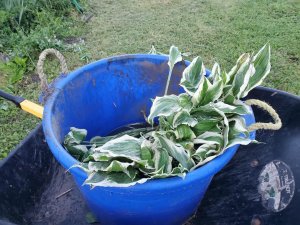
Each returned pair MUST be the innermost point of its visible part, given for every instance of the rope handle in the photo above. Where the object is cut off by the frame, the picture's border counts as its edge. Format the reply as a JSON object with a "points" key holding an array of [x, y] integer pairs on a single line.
{"points": [[40, 66], [264, 126]]}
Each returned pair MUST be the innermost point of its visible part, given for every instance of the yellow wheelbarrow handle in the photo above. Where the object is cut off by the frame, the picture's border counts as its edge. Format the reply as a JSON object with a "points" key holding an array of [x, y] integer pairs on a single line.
{"points": [[28, 106]]}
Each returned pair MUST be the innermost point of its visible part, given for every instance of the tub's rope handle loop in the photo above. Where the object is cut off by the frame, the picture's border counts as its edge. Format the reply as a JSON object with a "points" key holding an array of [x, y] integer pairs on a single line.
{"points": [[264, 126], [40, 66]]}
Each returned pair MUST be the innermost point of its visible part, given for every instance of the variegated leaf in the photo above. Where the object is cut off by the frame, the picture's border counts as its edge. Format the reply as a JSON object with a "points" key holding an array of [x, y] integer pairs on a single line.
{"points": [[184, 132], [240, 109], [185, 101], [164, 106], [201, 151], [162, 161], [200, 93], [215, 74], [174, 56], [113, 166], [75, 136], [241, 60], [206, 125], [238, 140], [212, 138], [213, 92], [192, 75], [183, 117], [242, 76], [262, 67], [113, 179], [176, 151], [177, 171], [125, 146]]}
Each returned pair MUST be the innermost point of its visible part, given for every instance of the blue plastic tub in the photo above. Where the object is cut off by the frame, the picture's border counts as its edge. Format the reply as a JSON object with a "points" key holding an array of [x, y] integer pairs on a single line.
{"points": [[111, 93]]}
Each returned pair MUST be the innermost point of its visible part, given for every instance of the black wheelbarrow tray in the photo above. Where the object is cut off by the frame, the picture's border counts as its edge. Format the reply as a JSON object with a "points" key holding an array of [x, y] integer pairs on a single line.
{"points": [[259, 186]]}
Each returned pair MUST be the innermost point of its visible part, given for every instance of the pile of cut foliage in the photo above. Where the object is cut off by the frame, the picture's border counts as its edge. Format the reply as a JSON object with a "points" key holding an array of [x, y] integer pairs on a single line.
{"points": [[193, 127]]}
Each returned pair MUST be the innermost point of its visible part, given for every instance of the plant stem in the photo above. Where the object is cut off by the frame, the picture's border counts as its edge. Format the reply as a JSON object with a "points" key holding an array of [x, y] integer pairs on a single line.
{"points": [[168, 81]]}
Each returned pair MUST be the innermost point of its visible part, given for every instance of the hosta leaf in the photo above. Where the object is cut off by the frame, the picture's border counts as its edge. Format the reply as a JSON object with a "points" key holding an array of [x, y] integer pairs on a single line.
{"points": [[113, 166], [215, 74], [225, 125], [78, 150], [177, 171], [206, 125], [206, 160], [240, 108], [183, 117], [98, 166], [239, 124], [209, 137], [262, 66], [164, 106], [146, 152], [238, 140], [205, 151], [241, 61], [99, 141], [113, 179], [162, 161], [83, 166], [225, 78], [213, 92], [200, 93], [99, 157], [125, 146], [241, 78], [185, 101], [184, 132], [174, 56], [176, 151], [188, 145], [75, 136], [192, 76]]}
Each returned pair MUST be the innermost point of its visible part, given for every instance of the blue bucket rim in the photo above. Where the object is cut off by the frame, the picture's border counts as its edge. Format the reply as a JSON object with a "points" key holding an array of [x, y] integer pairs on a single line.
{"points": [[205, 171]]}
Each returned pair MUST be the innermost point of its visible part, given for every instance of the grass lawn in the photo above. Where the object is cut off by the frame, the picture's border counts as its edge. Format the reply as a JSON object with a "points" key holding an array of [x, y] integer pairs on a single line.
{"points": [[214, 29]]}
